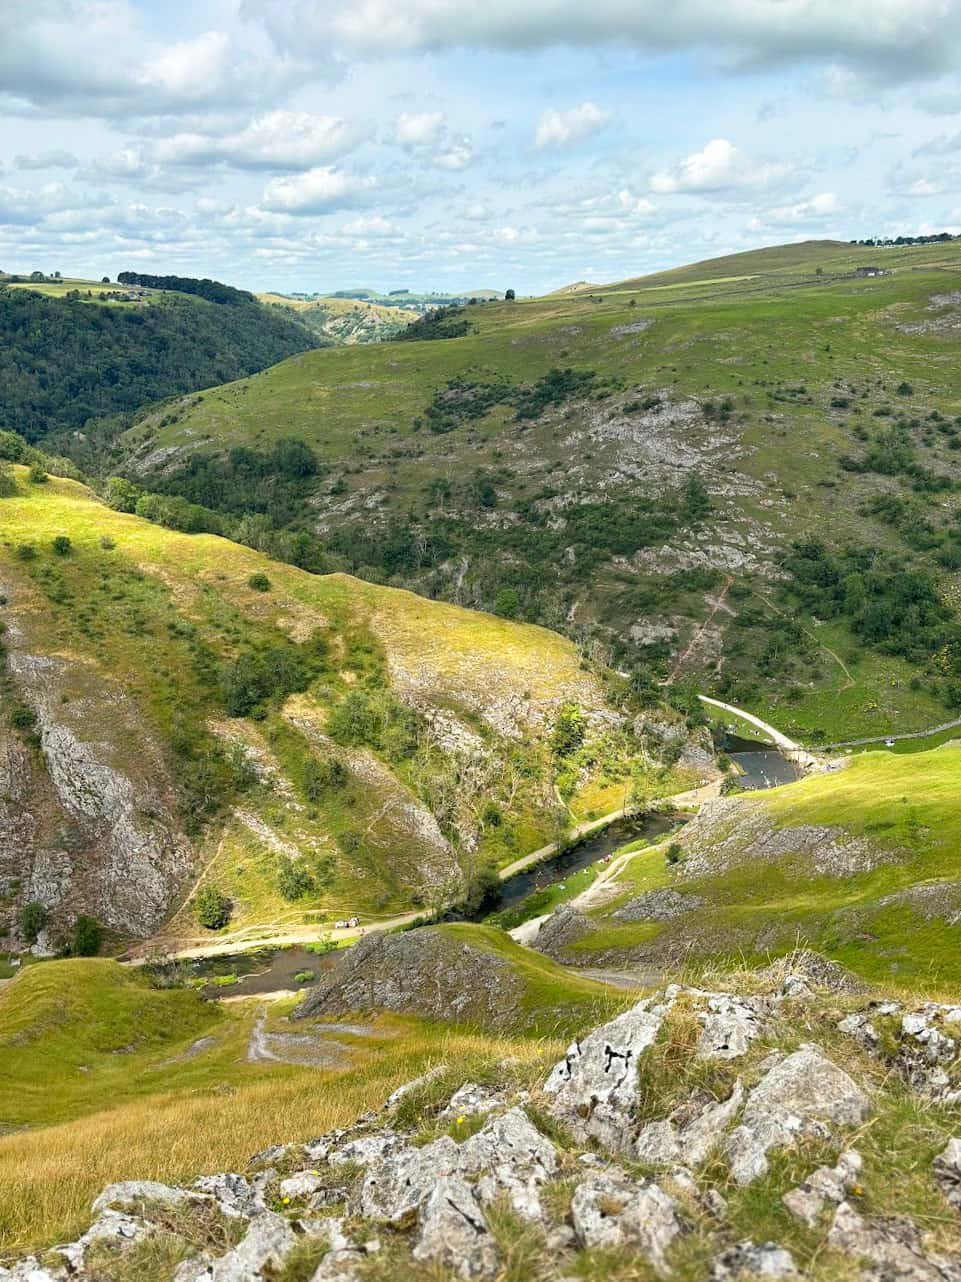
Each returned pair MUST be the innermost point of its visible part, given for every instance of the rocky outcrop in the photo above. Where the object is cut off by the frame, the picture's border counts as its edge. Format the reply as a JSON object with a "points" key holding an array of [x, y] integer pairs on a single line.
{"points": [[559, 1159], [88, 820], [424, 972]]}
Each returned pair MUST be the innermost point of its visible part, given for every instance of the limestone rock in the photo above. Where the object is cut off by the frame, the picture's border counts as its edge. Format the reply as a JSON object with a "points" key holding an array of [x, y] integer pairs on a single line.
{"points": [[827, 1184], [595, 1085], [262, 1251], [746, 1260], [691, 1131], [454, 1232], [136, 1192], [395, 1186], [471, 1099], [511, 1156], [234, 1195], [893, 1247], [730, 1024], [947, 1172], [802, 1095], [608, 1210]]}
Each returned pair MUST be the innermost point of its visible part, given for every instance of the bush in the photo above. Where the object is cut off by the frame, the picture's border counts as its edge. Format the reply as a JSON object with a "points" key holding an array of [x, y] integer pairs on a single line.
{"points": [[569, 731], [26, 552], [293, 880], [8, 485], [319, 776], [33, 918], [212, 908], [37, 475], [22, 717], [87, 936], [259, 583], [61, 545], [674, 852]]}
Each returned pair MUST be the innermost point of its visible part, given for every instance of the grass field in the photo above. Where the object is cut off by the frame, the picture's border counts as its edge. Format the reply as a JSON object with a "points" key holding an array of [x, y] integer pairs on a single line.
{"points": [[887, 908], [807, 357]]}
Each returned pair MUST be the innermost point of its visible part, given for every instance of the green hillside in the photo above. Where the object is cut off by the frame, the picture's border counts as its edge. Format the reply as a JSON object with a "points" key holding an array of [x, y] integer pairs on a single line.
{"points": [[743, 473], [863, 864], [72, 351], [307, 747]]}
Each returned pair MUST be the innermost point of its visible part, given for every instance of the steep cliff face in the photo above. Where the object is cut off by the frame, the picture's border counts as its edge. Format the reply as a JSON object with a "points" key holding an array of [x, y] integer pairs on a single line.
{"points": [[87, 811]]}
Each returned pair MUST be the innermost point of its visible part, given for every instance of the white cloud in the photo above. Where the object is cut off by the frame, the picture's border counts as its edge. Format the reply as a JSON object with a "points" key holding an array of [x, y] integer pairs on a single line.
{"points": [[563, 128], [374, 226], [456, 154], [318, 191], [888, 38], [719, 166], [277, 140], [55, 159], [822, 208], [418, 129]]}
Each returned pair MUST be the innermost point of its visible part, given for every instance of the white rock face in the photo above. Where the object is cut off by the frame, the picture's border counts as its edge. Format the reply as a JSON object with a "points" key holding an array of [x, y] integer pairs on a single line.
{"points": [[510, 1156], [748, 1260], [595, 1085], [609, 1210], [267, 1243], [805, 1094], [669, 1141], [132, 1192], [396, 1186], [454, 1232], [947, 1172], [828, 1184]]}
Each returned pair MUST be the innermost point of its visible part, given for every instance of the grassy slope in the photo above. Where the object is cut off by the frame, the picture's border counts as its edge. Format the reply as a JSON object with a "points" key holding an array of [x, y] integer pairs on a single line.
{"points": [[757, 325], [344, 320], [876, 922], [92, 1068], [155, 605]]}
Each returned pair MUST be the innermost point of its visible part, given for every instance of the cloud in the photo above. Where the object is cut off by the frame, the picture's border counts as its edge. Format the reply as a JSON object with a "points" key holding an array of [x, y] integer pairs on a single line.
{"points": [[822, 208], [564, 128], [279, 140], [719, 166], [418, 129], [318, 191], [886, 38], [373, 226], [46, 160]]}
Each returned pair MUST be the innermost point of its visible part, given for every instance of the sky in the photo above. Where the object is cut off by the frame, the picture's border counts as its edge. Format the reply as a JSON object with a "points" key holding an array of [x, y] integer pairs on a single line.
{"points": [[310, 145]]}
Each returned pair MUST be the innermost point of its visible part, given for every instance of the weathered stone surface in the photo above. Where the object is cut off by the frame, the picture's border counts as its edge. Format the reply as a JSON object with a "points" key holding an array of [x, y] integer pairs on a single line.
{"points": [[300, 1185], [235, 1196], [730, 1024], [657, 905], [510, 1156], [892, 1247], [608, 1210], [112, 1226], [947, 1172], [134, 1192], [748, 1260], [828, 1184], [471, 1099], [267, 1243], [595, 1085], [425, 1079], [395, 1186], [454, 1232], [423, 972], [802, 1095], [691, 1131]]}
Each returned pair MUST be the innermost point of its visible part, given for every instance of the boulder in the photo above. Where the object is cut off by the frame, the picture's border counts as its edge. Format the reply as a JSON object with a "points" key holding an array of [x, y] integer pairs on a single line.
{"points": [[828, 1184], [510, 1156], [947, 1172], [397, 1184], [471, 1099], [805, 1094], [595, 1086], [235, 1196], [136, 1193], [453, 1230], [608, 1210], [730, 1025], [691, 1131], [892, 1247], [260, 1254], [748, 1260]]}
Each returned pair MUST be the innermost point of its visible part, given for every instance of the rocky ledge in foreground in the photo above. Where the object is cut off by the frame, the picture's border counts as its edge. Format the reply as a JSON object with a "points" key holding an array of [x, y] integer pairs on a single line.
{"points": [[779, 1131]]}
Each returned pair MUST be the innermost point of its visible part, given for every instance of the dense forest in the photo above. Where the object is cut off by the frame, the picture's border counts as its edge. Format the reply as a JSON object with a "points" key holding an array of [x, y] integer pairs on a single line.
{"points": [[214, 291], [64, 361]]}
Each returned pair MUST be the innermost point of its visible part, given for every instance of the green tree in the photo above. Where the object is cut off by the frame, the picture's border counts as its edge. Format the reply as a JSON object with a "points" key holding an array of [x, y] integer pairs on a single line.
{"points": [[122, 495], [293, 879], [61, 545], [212, 908], [507, 603], [259, 583], [33, 918], [569, 731], [87, 936]]}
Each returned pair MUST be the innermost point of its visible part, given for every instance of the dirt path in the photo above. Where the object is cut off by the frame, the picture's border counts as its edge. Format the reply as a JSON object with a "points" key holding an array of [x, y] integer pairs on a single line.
{"points": [[699, 634]]}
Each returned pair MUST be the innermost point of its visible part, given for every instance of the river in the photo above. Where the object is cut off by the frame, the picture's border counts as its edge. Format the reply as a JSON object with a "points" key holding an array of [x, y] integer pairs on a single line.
{"points": [[761, 765]]}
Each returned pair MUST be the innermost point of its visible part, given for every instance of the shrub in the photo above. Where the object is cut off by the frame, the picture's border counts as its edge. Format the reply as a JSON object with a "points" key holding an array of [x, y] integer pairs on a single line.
{"points": [[319, 776], [259, 583], [26, 552], [293, 880], [87, 936], [37, 475], [61, 545], [674, 852], [212, 907], [305, 977], [569, 730], [22, 717], [8, 486], [33, 918]]}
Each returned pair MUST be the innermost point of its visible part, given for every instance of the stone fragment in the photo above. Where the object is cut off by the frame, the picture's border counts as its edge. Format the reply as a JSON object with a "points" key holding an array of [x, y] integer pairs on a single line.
{"points": [[260, 1254], [747, 1260], [137, 1192], [425, 1079], [595, 1085], [806, 1094], [609, 1210], [730, 1024], [947, 1172], [511, 1156], [395, 1186], [235, 1196], [688, 1138], [454, 1232], [471, 1099], [892, 1246], [826, 1184], [302, 1184]]}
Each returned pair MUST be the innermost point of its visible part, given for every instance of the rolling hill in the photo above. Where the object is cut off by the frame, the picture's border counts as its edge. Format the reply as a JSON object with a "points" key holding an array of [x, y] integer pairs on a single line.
{"points": [[72, 350], [185, 718], [743, 473]]}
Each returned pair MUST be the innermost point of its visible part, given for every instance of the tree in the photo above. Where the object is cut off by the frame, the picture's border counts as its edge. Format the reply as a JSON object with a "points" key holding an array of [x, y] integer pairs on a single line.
{"points": [[293, 880], [509, 296], [33, 918], [569, 730], [212, 907], [87, 935], [61, 545], [104, 280], [507, 603], [259, 583], [122, 495]]}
